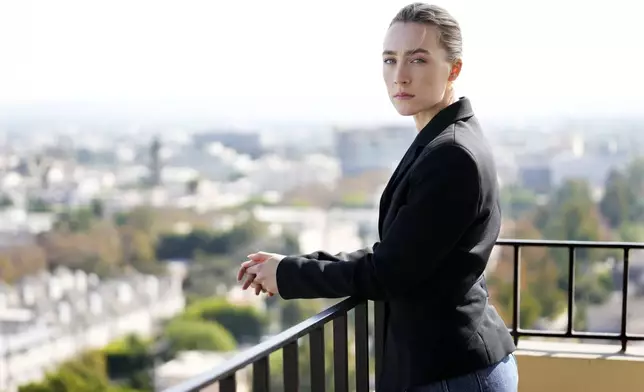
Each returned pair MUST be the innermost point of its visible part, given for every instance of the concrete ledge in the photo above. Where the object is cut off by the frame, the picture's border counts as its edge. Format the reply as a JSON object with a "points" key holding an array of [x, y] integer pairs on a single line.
{"points": [[547, 366]]}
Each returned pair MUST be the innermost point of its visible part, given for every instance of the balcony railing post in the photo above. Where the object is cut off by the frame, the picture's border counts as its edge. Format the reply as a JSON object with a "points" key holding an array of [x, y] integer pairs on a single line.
{"points": [[361, 331], [291, 367], [318, 376], [340, 354], [571, 290], [623, 330], [228, 384], [261, 375], [379, 335], [516, 293]]}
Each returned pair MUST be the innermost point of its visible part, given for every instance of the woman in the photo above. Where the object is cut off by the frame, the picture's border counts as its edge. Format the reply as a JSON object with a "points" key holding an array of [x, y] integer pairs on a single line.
{"points": [[439, 220]]}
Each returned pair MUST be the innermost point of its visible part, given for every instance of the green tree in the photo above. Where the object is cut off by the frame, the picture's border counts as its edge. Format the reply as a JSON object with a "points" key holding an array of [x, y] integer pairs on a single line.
{"points": [[631, 232], [5, 201], [75, 221], [245, 322], [541, 297], [572, 215], [296, 311], [184, 335], [38, 205], [517, 201], [635, 174], [619, 200], [130, 361], [85, 373], [97, 208]]}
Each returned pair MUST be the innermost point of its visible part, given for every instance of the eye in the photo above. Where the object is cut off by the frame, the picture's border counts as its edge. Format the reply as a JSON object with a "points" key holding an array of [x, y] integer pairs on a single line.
{"points": [[418, 61], [389, 61]]}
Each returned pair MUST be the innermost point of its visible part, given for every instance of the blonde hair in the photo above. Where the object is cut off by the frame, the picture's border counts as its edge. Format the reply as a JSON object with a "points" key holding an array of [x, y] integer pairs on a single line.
{"points": [[449, 30]]}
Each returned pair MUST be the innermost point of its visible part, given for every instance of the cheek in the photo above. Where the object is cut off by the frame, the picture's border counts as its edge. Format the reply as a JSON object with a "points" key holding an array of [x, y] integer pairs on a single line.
{"points": [[387, 77]]}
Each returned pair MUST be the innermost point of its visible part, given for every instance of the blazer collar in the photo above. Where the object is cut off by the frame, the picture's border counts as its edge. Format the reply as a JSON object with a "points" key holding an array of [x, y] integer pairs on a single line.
{"points": [[458, 111]]}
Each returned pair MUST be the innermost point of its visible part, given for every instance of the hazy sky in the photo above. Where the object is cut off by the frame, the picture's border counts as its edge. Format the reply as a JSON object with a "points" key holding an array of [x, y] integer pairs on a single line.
{"points": [[301, 59]]}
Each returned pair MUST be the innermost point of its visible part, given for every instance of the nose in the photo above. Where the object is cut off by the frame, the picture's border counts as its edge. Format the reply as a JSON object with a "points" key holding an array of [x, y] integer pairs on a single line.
{"points": [[402, 78]]}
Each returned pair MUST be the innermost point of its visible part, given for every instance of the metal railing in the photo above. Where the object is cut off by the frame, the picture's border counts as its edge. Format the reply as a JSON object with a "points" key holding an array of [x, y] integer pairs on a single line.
{"points": [[623, 336], [287, 341]]}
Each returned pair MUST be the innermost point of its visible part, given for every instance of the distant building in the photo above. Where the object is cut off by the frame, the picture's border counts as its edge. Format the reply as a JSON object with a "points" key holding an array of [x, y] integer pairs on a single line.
{"points": [[363, 150], [537, 178], [47, 319], [155, 162], [248, 143]]}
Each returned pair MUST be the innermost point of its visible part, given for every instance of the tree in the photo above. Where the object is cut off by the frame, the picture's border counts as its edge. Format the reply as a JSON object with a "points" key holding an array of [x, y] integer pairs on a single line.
{"points": [[75, 221], [21, 261], [86, 373], [38, 205], [296, 311], [517, 201], [619, 200], [245, 322], [540, 295], [184, 335], [192, 186], [97, 208], [631, 232], [572, 215], [8, 273], [635, 174], [138, 249], [129, 362], [141, 218], [5, 201]]}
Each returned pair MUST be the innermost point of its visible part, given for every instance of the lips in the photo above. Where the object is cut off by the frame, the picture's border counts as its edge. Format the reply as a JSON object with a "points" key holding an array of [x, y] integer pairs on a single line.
{"points": [[403, 96]]}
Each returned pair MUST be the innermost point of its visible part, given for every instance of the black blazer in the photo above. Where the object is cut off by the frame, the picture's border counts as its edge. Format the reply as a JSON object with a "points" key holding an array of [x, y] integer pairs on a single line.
{"points": [[439, 220]]}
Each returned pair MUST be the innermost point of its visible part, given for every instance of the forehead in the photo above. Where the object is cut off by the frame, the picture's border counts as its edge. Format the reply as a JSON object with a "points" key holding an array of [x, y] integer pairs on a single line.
{"points": [[409, 36]]}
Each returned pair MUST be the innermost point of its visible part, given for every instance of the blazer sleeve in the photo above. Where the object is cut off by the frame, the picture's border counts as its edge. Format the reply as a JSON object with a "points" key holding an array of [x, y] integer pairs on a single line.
{"points": [[442, 202]]}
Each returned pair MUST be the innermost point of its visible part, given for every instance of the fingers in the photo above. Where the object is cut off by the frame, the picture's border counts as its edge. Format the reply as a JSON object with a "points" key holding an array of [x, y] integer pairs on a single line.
{"points": [[255, 269], [249, 281], [259, 257], [252, 269], [244, 269]]}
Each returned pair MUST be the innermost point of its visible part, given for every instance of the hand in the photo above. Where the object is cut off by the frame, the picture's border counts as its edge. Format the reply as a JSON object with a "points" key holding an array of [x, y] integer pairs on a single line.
{"points": [[261, 269]]}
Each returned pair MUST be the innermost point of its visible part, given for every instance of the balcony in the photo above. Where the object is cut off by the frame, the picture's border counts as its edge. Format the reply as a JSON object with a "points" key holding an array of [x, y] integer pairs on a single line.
{"points": [[552, 361]]}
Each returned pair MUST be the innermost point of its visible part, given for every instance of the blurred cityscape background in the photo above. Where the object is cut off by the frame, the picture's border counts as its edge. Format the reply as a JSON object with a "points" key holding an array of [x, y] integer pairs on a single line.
{"points": [[147, 148]]}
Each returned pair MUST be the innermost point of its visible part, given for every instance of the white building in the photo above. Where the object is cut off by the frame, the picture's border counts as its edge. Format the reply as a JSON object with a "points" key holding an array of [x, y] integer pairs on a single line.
{"points": [[49, 318]]}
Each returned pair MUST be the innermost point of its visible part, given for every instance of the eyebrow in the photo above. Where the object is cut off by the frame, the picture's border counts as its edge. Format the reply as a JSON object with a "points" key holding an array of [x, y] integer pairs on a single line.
{"points": [[407, 53]]}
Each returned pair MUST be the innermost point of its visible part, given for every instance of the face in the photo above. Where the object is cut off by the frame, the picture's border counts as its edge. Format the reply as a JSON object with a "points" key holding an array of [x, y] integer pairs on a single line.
{"points": [[415, 68]]}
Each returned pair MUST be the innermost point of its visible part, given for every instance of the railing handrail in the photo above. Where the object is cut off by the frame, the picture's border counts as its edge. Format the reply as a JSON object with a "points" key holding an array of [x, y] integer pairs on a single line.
{"points": [[265, 348], [568, 244]]}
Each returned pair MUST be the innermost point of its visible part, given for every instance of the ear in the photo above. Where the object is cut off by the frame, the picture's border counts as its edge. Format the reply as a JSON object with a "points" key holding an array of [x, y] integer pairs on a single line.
{"points": [[456, 70]]}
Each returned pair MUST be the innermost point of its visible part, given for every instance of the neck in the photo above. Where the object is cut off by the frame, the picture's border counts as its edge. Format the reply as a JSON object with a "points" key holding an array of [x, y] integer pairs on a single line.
{"points": [[423, 118]]}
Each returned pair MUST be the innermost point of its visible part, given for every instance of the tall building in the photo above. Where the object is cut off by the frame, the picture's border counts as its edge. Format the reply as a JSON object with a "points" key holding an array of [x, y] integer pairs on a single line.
{"points": [[363, 150], [155, 162]]}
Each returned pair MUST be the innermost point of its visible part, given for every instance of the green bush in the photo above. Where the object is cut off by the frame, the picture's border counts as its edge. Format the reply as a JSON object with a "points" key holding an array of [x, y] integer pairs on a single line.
{"points": [[183, 335], [246, 323]]}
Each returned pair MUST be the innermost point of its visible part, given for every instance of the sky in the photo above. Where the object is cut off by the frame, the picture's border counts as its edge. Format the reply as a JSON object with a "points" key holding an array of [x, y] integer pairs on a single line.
{"points": [[299, 59]]}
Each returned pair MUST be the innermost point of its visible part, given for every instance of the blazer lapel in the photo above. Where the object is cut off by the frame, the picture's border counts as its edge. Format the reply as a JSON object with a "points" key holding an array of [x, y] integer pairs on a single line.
{"points": [[459, 110], [408, 159]]}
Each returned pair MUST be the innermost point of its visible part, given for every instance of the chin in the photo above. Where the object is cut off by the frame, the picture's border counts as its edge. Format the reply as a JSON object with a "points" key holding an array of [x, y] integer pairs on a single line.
{"points": [[406, 110]]}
